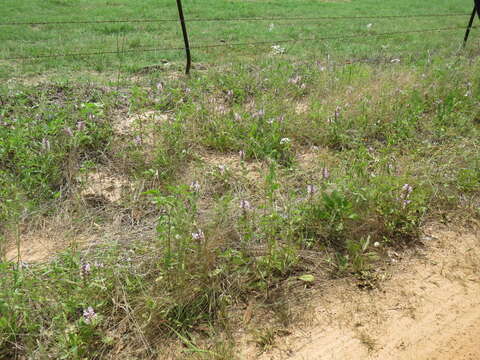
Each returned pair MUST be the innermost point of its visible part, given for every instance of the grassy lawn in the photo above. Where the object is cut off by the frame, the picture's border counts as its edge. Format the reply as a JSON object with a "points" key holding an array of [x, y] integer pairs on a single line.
{"points": [[34, 40], [163, 206]]}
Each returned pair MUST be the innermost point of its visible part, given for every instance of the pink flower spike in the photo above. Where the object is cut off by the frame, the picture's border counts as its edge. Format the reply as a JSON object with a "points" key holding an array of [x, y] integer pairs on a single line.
{"points": [[325, 173], [68, 131], [311, 190], [89, 315], [198, 236], [195, 186]]}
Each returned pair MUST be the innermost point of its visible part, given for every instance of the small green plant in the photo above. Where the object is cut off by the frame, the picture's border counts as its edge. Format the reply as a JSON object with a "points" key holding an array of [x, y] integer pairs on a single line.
{"points": [[177, 227], [327, 217], [359, 254]]}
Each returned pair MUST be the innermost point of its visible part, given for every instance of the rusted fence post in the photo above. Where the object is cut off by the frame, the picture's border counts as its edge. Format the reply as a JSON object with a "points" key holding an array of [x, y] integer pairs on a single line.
{"points": [[185, 37]]}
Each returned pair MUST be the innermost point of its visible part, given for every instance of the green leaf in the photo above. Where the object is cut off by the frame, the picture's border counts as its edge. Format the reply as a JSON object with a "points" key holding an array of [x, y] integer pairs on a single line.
{"points": [[307, 278]]}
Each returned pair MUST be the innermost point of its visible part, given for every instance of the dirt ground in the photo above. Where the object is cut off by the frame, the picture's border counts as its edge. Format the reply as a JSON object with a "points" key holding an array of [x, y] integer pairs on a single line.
{"points": [[428, 308]]}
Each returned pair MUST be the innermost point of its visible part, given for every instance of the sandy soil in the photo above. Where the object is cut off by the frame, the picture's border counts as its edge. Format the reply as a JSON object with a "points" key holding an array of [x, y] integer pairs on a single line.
{"points": [[429, 308]]}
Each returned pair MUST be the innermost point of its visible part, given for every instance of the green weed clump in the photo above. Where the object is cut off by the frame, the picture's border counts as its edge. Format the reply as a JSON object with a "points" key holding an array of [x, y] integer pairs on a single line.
{"points": [[45, 135], [254, 181]]}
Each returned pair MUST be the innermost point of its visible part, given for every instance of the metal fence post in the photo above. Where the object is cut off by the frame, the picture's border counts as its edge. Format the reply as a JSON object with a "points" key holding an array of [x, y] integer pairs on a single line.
{"points": [[476, 11], [185, 37]]}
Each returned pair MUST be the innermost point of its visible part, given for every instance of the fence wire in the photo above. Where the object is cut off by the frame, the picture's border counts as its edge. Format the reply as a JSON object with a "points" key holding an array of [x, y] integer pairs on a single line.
{"points": [[240, 44], [232, 19]]}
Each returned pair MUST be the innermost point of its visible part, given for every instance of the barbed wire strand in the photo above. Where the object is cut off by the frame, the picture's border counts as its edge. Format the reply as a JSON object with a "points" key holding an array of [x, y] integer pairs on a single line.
{"points": [[231, 19], [384, 59], [254, 43]]}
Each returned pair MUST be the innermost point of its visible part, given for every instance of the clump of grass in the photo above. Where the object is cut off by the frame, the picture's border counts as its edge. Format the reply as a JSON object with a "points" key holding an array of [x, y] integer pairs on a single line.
{"points": [[46, 135]]}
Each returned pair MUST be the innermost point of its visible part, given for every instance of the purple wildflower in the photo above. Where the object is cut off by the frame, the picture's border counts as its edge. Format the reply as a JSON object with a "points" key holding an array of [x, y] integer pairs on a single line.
{"points": [[325, 173], [85, 270], [245, 206], [89, 315], [68, 131], [337, 113], [195, 186], [311, 190], [45, 144], [81, 126], [407, 189], [405, 194], [260, 113], [295, 80], [198, 236], [241, 155]]}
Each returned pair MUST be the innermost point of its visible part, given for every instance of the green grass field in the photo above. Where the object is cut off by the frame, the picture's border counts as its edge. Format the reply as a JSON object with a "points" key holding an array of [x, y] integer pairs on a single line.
{"points": [[35, 40], [144, 213]]}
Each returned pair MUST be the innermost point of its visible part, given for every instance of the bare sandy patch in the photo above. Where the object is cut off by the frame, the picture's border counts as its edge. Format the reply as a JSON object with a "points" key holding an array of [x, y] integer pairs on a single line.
{"points": [[429, 308], [252, 170], [126, 125], [100, 184]]}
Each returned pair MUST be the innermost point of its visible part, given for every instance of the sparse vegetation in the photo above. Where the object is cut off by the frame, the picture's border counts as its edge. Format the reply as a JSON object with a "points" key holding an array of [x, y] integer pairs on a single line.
{"points": [[245, 182]]}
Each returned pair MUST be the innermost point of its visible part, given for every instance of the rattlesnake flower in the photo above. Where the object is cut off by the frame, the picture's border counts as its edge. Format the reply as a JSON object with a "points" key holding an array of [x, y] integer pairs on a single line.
{"points": [[245, 205], [325, 173], [407, 189], [68, 131], [89, 315], [198, 236], [45, 145], [85, 270], [311, 190], [81, 126], [195, 186], [241, 155]]}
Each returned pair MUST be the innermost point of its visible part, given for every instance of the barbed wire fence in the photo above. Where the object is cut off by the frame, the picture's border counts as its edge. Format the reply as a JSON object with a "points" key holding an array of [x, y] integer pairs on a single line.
{"points": [[215, 19], [188, 48]]}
